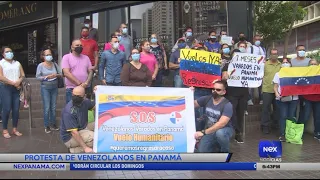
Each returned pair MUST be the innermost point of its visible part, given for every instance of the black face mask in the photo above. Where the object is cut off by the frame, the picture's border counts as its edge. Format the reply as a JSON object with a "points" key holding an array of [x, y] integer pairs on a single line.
{"points": [[77, 100], [78, 49], [216, 95], [242, 38]]}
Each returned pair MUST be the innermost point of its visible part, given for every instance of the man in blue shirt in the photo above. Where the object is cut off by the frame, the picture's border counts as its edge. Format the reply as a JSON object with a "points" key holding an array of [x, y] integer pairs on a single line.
{"points": [[212, 44], [126, 40], [174, 63], [111, 63], [74, 121]]}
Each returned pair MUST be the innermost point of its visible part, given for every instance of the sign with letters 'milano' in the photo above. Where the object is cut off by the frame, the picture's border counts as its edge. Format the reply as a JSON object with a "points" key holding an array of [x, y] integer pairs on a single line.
{"points": [[15, 13]]}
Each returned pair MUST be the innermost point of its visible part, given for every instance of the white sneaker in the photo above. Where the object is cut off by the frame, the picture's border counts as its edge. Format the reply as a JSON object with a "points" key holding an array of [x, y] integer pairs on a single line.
{"points": [[246, 113], [250, 103], [261, 102]]}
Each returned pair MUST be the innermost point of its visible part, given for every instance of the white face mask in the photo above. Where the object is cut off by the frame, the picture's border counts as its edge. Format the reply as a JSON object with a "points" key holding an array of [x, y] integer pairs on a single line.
{"points": [[285, 65]]}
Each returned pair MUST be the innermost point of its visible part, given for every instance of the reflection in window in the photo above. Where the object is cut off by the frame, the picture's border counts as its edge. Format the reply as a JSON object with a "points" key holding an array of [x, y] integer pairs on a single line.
{"points": [[150, 18]]}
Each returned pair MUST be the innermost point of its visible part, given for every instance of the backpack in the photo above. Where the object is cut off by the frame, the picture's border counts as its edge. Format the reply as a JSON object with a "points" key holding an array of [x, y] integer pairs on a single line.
{"points": [[263, 49], [202, 122]]}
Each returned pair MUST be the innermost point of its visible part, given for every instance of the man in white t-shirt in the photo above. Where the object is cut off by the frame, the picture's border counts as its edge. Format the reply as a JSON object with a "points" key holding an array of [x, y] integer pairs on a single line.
{"points": [[256, 49]]}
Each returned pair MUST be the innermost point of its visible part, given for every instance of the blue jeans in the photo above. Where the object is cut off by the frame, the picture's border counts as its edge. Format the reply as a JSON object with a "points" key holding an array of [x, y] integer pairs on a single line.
{"points": [[286, 110], [1, 85], [49, 100], [69, 93], [306, 112], [178, 83], [220, 137], [11, 99]]}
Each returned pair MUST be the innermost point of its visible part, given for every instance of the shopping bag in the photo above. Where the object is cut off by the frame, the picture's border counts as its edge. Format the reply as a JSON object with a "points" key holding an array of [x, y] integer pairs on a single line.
{"points": [[294, 131], [90, 116]]}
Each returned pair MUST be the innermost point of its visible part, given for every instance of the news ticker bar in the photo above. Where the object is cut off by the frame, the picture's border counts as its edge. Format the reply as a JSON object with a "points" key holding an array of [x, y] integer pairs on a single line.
{"points": [[158, 166], [67, 158]]}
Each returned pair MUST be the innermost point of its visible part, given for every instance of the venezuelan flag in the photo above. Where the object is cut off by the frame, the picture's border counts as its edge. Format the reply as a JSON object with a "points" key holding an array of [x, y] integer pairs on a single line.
{"points": [[300, 80], [122, 105]]}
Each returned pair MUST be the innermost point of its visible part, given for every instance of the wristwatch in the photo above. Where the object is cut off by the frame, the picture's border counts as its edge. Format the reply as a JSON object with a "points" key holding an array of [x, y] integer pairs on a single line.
{"points": [[204, 132]]}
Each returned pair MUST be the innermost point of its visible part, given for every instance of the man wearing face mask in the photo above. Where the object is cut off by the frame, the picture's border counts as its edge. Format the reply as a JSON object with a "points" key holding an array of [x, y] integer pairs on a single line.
{"points": [[111, 64], [74, 130], [77, 69], [90, 47], [271, 67], [93, 32], [242, 39], [256, 49], [174, 63], [218, 128], [189, 39], [126, 40], [212, 44]]}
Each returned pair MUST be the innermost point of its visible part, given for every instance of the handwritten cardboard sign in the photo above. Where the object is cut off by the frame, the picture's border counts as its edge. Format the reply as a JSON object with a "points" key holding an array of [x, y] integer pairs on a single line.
{"points": [[246, 70], [199, 68], [226, 40]]}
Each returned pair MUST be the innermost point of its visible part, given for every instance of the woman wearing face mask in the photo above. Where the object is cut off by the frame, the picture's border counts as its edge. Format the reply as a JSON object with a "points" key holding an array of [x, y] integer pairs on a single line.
{"points": [[242, 47], [48, 73], [12, 75], [225, 55], [108, 45], [313, 103], [135, 73], [159, 52], [212, 44], [287, 105], [147, 58]]}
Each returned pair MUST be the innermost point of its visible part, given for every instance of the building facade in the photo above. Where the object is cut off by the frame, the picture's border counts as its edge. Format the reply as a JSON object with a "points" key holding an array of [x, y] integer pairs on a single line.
{"points": [[56, 23]]}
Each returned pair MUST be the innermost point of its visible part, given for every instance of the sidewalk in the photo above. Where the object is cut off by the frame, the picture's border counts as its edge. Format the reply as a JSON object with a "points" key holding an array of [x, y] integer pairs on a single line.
{"points": [[37, 141]]}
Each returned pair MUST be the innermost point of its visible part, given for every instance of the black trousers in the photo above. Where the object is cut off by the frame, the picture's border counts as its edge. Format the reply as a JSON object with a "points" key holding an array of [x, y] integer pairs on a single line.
{"points": [[239, 105]]}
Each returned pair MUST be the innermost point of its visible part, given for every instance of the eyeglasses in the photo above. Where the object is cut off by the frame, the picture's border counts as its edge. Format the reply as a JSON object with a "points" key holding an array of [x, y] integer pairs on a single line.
{"points": [[217, 90]]}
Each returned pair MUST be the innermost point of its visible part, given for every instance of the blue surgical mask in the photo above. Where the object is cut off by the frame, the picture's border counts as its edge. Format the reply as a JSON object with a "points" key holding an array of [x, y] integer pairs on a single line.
{"points": [[301, 53], [86, 25], [115, 45], [257, 43], [226, 50], [8, 55], [119, 38], [188, 34], [182, 45], [48, 58], [154, 40], [285, 65], [135, 57], [124, 30], [243, 50]]}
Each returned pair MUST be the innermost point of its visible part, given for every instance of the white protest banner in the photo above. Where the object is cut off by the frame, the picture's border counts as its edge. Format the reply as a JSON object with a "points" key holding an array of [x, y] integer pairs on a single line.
{"points": [[226, 40], [144, 119], [246, 70]]}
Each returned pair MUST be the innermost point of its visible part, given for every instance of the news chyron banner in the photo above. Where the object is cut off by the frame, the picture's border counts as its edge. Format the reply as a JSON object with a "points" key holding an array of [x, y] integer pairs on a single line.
{"points": [[246, 70], [199, 68], [144, 119]]}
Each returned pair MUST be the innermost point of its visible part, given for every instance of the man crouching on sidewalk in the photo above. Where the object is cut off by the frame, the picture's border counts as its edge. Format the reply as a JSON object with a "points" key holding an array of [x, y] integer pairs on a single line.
{"points": [[74, 128]]}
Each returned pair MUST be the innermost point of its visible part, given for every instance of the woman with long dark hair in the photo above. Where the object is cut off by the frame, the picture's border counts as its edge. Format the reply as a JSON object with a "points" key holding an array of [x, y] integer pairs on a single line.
{"points": [[48, 73], [12, 75]]}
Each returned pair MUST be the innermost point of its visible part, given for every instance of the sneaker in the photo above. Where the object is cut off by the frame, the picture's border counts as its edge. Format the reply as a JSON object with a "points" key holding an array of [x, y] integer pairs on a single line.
{"points": [[238, 138], [261, 102], [246, 113], [317, 137], [54, 127], [47, 130], [282, 139], [0, 121], [250, 103]]}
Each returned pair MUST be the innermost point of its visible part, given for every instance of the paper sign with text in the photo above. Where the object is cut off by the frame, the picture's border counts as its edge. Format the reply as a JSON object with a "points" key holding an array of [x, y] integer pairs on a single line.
{"points": [[144, 119], [246, 70], [226, 40], [199, 68]]}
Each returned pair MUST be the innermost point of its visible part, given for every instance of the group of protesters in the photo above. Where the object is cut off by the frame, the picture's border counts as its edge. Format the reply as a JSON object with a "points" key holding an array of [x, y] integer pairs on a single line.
{"points": [[220, 111]]}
